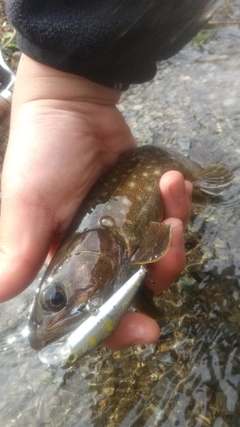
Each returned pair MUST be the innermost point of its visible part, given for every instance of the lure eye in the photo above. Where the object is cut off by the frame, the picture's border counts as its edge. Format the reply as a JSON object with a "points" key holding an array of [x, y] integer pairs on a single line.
{"points": [[54, 298]]}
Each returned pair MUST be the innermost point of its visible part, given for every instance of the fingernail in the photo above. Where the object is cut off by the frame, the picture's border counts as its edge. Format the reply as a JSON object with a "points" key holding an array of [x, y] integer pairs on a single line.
{"points": [[177, 240], [178, 191]]}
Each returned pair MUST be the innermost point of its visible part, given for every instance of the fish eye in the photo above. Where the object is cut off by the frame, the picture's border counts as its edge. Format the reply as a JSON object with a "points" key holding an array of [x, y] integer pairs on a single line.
{"points": [[54, 298]]}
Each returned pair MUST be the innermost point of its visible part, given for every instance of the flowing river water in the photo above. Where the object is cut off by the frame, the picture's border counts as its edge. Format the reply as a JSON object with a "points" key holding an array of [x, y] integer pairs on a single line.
{"points": [[191, 376]]}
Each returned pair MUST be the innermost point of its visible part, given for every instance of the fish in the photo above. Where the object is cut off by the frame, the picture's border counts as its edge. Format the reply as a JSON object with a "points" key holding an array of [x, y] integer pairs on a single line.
{"points": [[117, 229]]}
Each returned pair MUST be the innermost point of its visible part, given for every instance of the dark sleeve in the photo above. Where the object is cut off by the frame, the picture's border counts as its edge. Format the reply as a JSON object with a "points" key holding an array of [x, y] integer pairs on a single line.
{"points": [[107, 41]]}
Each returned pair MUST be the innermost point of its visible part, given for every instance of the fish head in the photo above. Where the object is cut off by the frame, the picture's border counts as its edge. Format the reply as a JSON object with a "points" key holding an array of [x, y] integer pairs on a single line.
{"points": [[79, 279]]}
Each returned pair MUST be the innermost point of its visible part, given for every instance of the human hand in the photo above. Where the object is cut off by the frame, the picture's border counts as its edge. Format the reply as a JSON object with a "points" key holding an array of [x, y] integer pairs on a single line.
{"points": [[65, 132]]}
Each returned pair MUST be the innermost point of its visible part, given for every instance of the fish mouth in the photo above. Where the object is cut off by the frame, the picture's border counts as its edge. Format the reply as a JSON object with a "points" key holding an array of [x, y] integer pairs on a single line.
{"points": [[36, 338], [41, 335]]}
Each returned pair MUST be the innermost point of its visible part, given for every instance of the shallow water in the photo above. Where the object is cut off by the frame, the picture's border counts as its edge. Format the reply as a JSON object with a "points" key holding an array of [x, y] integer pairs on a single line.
{"points": [[191, 377]]}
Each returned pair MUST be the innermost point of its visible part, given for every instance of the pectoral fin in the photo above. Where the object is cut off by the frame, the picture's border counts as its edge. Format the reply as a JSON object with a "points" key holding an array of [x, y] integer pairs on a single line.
{"points": [[144, 303], [154, 245]]}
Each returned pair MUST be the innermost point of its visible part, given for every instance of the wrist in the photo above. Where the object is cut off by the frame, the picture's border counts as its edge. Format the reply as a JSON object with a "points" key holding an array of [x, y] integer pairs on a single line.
{"points": [[36, 81]]}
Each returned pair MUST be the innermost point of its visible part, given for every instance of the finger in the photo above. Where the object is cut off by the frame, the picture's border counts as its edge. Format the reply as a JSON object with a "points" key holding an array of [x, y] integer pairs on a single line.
{"points": [[168, 268], [134, 328], [176, 195], [24, 241]]}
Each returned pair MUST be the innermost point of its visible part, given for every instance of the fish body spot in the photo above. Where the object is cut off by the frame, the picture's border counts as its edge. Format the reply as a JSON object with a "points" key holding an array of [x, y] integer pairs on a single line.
{"points": [[131, 184], [125, 201], [123, 211]]}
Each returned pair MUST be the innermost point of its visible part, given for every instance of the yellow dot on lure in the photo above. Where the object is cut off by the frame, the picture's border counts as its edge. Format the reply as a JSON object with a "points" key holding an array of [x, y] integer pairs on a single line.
{"points": [[92, 341], [108, 325]]}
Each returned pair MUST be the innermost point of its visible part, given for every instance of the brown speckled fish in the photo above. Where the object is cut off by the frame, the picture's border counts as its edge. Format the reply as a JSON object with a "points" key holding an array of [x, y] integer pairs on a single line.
{"points": [[117, 227]]}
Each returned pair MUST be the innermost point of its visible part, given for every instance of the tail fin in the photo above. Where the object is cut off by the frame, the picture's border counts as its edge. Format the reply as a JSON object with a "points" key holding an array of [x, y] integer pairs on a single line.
{"points": [[211, 181]]}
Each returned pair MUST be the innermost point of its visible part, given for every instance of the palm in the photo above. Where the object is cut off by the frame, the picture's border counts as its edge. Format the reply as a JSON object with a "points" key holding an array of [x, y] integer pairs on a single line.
{"points": [[69, 151]]}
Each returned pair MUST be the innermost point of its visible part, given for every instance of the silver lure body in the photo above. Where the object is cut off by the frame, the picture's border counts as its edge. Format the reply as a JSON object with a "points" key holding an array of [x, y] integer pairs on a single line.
{"points": [[96, 327]]}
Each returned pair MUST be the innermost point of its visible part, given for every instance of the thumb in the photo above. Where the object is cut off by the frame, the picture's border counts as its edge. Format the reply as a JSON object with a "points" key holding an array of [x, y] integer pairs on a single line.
{"points": [[25, 235]]}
